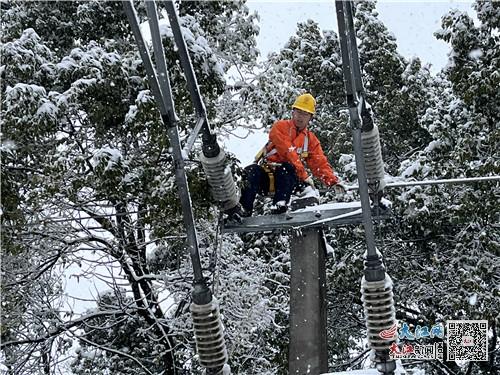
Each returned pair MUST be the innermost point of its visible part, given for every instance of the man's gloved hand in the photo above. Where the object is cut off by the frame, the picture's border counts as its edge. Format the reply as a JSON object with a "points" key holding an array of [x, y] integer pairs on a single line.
{"points": [[309, 181], [339, 188]]}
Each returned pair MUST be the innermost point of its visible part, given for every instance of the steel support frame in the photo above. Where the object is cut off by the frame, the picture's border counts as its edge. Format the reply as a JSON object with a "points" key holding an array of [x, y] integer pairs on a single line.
{"points": [[299, 220], [210, 146], [355, 96], [374, 270], [163, 96]]}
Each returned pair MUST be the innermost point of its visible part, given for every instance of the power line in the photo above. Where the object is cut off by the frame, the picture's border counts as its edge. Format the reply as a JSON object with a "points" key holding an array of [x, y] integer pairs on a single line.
{"points": [[435, 182]]}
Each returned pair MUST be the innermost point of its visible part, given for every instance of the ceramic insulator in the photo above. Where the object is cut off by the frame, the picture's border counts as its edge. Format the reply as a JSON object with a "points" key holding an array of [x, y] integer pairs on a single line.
{"points": [[379, 309], [221, 180], [209, 335], [373, 158]]}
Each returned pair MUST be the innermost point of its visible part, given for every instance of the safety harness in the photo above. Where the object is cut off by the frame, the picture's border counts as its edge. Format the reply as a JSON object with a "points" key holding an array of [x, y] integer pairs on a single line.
{"points": [[263, 154]]}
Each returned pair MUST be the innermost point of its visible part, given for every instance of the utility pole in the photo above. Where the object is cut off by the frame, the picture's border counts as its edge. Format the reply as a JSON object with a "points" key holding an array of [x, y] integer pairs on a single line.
{"points": [[308, 351]]}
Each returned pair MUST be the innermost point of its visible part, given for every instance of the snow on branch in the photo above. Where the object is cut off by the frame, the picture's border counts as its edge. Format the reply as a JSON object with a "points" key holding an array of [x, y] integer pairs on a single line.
{"points": [[67, 326]]}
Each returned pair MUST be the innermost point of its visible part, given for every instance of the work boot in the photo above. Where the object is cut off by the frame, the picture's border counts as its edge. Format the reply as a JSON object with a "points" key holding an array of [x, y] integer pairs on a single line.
{"points": [[235, 214], [245, 213], [279, 208]]}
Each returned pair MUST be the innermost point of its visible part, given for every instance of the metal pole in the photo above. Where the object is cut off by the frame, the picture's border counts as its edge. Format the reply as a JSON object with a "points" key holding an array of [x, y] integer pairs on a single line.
{"points": [[366, 116], [169, 118], [159, 54], [376, 286], [353, 50], [146, 58], [352, 80], [185, 61], [208, 329], [344, 51], [213, 158], [210, 146]]}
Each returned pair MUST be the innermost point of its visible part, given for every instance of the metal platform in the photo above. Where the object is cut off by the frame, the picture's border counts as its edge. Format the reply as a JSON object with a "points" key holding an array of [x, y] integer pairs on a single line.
{"points": [[325, 215]]}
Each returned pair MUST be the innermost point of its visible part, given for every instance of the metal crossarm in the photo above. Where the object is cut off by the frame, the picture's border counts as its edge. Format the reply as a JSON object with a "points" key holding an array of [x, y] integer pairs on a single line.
{"points": [[343, 214]]}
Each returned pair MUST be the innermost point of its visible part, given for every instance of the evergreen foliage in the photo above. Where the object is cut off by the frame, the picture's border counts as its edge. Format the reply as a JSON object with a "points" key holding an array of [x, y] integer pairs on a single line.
{"points": [[399, 90]]}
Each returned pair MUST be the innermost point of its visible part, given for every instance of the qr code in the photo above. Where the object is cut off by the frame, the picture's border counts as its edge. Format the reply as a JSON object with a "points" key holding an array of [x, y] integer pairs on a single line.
{"points": [[467, 340]]}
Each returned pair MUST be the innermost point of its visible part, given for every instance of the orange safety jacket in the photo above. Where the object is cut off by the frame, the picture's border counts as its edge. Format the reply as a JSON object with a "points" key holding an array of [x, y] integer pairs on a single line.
{"points": [[288, 144]]}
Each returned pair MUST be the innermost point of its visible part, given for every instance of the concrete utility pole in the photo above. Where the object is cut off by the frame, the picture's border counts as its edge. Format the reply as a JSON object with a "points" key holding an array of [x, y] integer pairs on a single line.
{"points": [[308, 345]]}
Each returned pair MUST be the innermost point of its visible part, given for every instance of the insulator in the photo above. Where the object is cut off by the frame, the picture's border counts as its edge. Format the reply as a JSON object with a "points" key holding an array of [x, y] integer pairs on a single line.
{"points": [[221, 180], [379, 309], [373, 159], [209, 335]]}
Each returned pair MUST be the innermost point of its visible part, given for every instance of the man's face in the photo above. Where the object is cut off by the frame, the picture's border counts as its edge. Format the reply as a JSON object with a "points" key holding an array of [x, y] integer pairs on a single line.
{"points": [[301, 118]]}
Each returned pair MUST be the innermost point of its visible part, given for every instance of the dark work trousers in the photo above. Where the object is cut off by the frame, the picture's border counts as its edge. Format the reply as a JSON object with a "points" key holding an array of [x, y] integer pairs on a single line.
{"points": [[256, 181]]}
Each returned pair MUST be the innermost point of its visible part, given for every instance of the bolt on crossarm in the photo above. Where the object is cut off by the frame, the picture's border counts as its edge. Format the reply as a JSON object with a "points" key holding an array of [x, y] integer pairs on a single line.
{"points": [[205, 312], [376, 285]]}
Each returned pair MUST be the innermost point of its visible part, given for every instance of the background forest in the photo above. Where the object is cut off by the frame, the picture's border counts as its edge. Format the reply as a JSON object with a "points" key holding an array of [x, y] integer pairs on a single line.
{"points": [[88, 190]]}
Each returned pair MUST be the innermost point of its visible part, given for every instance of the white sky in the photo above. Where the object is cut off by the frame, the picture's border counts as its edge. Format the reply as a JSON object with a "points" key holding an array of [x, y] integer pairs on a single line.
{"points": [[413, 23]]}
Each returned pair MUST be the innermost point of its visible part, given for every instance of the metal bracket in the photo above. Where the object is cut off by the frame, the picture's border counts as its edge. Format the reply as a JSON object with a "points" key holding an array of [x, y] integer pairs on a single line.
{"points": [[331, 215]]}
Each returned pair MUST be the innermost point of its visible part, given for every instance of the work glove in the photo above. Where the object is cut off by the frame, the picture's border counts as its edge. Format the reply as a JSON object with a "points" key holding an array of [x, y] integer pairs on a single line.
{"points": [[339, 188], [309, 181]]}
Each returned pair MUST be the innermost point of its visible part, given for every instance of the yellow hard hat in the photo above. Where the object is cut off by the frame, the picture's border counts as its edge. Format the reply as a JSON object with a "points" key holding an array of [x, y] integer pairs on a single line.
{"points": [[305, 102]]}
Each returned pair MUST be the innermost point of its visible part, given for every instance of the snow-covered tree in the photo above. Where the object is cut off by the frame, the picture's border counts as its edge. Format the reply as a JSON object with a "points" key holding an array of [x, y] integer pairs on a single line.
{"points": [[88, 169], [119, 342], [398, 90], [444, 252], [87, 183]]}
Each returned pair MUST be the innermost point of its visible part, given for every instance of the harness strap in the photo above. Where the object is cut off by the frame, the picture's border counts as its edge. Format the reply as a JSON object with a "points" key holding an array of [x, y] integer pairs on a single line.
{"points": [[263, 154], [304, 151], [270, 174], [272, 152]]}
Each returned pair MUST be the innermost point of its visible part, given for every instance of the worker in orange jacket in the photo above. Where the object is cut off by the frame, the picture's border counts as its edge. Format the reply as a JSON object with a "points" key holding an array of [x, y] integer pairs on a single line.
{"points": [[279, 166]]}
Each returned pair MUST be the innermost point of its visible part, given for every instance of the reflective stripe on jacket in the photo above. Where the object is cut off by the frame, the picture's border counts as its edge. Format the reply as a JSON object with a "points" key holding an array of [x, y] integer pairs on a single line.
{"points": [[289, 143]]}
